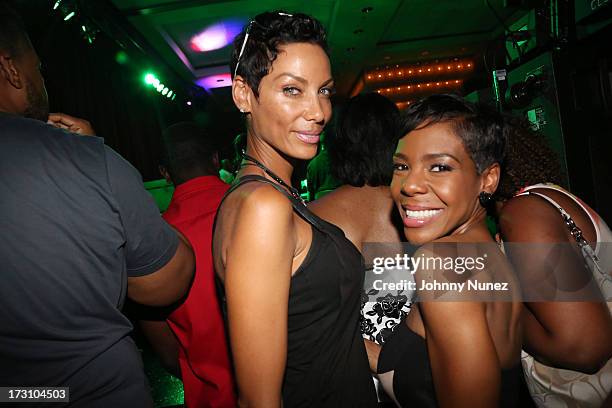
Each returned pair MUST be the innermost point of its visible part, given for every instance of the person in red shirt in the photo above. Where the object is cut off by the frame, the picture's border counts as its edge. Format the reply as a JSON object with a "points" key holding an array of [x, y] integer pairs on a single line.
{"points": [[198, 349]]}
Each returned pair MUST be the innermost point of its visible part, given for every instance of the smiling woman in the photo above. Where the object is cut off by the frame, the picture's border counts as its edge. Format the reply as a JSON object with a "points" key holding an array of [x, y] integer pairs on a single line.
{"points": [[445, 165], [292, 281], [462, 353]]}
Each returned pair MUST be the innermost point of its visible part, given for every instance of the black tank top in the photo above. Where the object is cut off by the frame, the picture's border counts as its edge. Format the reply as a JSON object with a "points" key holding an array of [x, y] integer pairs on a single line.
{"points": [[327, 364]]}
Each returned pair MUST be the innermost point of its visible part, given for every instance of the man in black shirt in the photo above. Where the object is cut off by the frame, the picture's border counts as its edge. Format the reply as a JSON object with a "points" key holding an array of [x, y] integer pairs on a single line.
{"points": [[78, 233]]}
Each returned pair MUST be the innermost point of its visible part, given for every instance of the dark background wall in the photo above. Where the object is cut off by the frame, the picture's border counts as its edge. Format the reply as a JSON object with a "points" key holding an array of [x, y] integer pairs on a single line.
{"points": [[86, 81]]}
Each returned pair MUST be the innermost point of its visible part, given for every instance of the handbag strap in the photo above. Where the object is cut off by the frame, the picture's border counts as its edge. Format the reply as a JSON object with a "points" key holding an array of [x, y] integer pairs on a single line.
{"points": [[574, 230]]}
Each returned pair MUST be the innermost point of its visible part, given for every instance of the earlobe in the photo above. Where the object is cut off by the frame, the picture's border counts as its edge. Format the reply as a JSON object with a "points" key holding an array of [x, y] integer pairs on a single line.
{"points": [[240, 94], [9, 72], [490, 178]]}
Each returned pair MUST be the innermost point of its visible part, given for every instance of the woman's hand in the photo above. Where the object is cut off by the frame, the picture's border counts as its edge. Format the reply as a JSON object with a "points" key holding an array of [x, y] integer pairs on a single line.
{"points": [[71, 124]]}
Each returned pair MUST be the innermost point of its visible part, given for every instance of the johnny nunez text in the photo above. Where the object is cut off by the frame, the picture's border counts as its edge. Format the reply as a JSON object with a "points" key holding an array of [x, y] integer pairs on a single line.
{"points": [[472, 284]]}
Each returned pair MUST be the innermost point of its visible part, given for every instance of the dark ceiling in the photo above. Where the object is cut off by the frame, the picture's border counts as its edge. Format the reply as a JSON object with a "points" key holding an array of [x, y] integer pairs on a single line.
{"points": [[364, 35]]}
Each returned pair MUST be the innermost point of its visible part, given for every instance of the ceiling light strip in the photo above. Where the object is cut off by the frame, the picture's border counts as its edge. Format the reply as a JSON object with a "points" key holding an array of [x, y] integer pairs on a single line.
{"points": [[403, 72], [390, 90]]}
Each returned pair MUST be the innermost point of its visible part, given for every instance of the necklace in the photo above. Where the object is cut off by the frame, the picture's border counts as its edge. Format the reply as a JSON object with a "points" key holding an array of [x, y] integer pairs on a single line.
{"points": [[254, 162]]}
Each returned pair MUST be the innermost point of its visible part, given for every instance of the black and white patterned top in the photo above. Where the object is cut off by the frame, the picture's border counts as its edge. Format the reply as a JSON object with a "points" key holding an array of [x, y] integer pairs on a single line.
{"points": [[382, 310]]}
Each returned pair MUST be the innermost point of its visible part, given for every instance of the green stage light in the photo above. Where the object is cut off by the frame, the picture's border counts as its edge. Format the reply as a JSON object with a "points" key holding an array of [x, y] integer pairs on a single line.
{"points": [[149, 78], [69, 16], [56, 5], [121, 57]]}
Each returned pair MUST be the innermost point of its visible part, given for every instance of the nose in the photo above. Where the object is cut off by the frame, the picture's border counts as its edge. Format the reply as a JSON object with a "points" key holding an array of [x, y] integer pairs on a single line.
{"points": [[413, 183], [315, 109]]}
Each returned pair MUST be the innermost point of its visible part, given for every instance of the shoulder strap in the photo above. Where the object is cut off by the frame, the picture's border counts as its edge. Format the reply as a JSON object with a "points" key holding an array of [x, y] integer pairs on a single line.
{"points": [[574, 230], [298, 205], [564, 213]]}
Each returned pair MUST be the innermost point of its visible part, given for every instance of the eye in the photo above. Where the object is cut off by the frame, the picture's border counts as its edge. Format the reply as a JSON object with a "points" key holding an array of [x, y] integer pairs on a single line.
{"points": [[399, 167], [327, 91], [291, 91], [437, 168]]}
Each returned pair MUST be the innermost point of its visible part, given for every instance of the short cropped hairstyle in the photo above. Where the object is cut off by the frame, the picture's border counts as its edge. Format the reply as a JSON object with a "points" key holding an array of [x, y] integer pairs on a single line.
{"points": [[529, 160], [267, 32], [188, 149], [480, 128], [13, 35], [361, 150]]}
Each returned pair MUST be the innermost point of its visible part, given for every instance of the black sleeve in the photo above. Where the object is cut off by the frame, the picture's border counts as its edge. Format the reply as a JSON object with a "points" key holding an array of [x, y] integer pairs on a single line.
{"points": [[150, 242]]}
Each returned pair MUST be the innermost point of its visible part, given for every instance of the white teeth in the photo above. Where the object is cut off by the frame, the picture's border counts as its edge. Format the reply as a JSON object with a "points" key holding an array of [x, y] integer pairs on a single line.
{"points": [[421, 214]]}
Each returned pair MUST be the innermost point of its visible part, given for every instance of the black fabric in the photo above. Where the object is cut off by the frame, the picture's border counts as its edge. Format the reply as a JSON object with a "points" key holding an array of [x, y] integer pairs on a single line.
{"points": [[327, 364], [75, 222], [405, 353]]}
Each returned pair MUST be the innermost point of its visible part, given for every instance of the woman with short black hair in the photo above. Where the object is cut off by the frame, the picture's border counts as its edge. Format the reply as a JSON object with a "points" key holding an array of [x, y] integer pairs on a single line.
{"points": [[290, 284], [458, 347]]}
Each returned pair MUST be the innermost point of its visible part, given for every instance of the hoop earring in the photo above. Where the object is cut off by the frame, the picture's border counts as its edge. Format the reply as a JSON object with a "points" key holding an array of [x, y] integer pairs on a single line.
{"points": [[485, 199]]}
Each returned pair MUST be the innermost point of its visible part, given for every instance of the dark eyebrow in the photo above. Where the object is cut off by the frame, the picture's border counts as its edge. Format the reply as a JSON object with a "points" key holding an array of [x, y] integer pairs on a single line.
{"points": [[300, 79], [429, 156], [440, 155], [296, 77]]}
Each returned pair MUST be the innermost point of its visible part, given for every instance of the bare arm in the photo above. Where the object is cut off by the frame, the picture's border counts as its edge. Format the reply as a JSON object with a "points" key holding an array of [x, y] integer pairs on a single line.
{"points": [[572, 335], [464, 363], [164, 344], [169, 283], [373, 351], [257, 277]]}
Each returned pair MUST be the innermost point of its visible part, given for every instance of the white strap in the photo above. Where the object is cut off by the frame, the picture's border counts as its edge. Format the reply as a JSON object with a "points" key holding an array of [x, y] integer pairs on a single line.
{"points": [[585, 248]]}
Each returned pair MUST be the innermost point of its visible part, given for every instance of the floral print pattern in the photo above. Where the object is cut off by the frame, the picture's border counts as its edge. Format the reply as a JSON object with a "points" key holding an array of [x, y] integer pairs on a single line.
{"points": [[380, 315]]}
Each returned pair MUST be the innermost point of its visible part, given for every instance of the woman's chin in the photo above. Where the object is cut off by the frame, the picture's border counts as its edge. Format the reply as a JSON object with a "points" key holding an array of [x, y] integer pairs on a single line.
{"points": [[415, 240], [420, 236], [305, 153]]}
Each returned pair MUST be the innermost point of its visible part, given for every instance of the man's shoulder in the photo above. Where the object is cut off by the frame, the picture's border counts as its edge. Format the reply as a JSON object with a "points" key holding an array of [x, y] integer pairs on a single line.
{"points": [[10, 122], [27, 130]]}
